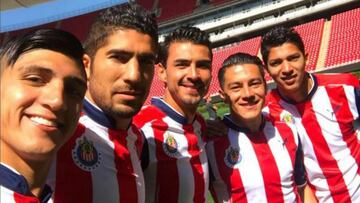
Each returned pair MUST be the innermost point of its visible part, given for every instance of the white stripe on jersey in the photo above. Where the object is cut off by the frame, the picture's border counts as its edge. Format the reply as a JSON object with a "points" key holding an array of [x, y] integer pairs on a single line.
{"points": [[349, 92], [203, 157], [323, 110], [102, 182], [131, 139], [218, 184], [250, 167], [283, 162], [150, 172], [6, 195]]}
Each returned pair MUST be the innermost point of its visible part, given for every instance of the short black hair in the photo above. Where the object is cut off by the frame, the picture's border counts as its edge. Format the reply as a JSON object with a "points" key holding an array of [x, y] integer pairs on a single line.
{"points": [[124, 16], [50, 39], [239, 59], [278, 36], [184, 33]]}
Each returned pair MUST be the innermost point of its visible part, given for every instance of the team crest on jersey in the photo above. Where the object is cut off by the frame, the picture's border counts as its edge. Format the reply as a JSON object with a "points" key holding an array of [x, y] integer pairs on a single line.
{"points": [[85, 154], [232, 156], [170, 145], [286, 117]]}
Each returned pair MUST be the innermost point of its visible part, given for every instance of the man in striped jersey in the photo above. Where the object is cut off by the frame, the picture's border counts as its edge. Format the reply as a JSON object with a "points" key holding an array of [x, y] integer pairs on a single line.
{"points": [[100, 163], [174, 159], [324, 108], [257, 161], [43, 83]]}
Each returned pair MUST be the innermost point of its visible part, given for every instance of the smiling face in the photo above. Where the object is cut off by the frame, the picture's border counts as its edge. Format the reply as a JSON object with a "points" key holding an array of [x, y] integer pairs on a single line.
{"points": [[187, 74], [286, 65], [41, 100], [244, 90], [120, 74]]}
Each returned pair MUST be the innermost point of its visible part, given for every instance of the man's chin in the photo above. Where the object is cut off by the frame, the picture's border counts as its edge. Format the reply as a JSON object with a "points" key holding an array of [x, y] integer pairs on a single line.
{"points": [[125, 111]]}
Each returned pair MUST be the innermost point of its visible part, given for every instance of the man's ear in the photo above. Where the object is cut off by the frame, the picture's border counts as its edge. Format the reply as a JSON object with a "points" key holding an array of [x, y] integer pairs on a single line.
{"points": [[223, 96], [87, 63], [306, 58], [161, 72]]}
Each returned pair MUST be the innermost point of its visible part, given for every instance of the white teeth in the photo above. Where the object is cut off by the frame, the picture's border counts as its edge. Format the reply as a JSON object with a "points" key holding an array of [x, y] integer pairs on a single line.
{"points": [[43, 121]]}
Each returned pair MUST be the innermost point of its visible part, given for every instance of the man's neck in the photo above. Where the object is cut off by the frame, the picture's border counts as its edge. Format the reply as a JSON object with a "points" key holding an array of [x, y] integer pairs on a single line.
{"points": [[253, 125], [301, 94], [35, 172], [189, 112]]}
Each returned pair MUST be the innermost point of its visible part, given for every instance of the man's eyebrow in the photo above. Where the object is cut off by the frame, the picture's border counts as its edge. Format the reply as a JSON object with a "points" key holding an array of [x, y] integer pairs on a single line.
{"points": [[120, 52], [182, 61], [129, 53], [35, 68]]}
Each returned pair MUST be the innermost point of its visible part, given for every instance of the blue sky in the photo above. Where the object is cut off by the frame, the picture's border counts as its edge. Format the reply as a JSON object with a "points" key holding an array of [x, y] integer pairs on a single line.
{"points": [[19, 18]]}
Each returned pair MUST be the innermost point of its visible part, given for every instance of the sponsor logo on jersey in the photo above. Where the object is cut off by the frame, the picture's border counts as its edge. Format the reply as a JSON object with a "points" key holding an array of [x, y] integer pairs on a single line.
{"points": [[85, 154], [287, 117], [170, 145], [232, 156]]}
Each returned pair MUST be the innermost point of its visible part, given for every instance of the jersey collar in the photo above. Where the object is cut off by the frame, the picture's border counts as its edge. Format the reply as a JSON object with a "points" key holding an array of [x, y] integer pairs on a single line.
{"points": [[231, 124], [310, 94], [168, 110], [12, 180], [96, 114]]}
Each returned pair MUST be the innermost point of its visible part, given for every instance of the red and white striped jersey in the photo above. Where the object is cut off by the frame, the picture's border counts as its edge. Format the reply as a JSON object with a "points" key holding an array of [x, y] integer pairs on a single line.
{"points": [[98, 163], [176, 164], [328, 134], [265, 166], [14, 188]]}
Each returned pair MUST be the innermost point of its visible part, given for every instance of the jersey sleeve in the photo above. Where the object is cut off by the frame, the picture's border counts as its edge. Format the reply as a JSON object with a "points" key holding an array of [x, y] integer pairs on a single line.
{"points": [[299, 169], [357, 99], [144, 153]]}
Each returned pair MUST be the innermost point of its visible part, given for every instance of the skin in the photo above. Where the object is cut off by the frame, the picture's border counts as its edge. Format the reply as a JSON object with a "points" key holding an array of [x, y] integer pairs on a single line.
{"points": [[187, 76], [244, 90], [286, 65], [41, 99], [120, 74]]}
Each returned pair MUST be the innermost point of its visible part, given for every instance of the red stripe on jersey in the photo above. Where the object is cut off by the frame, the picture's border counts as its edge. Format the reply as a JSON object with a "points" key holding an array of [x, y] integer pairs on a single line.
{"points": [[125, 171], [235, 187], [288, 139], [344, 118], [145, 115], [18, 198], [274, 107], [323, 153], [269, 169], [196, 166], [340, 79], [167, 176], [83, 186]]}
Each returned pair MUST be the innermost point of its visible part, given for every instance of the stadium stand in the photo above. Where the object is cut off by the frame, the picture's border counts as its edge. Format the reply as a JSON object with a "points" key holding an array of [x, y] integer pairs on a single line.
{"points": [[157, 87], [72, 24], [330, 29], [172, 9], [344, 44], [311, 34]]}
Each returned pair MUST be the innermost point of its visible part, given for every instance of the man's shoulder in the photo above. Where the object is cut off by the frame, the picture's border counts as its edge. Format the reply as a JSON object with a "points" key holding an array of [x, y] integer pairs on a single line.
{"points": [[337, 79], [146, 114]]}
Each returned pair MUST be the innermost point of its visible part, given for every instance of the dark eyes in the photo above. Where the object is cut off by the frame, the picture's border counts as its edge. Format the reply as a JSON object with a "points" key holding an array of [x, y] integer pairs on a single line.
{"points": [[35, 79]]}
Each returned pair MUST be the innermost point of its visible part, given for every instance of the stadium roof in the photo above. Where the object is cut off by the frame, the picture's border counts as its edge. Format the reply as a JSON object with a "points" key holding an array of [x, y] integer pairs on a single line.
{"points": [[20, 14]]}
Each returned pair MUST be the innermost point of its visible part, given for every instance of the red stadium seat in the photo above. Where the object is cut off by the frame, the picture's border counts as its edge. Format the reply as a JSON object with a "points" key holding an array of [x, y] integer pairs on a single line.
{"points": [[344, 44]]}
